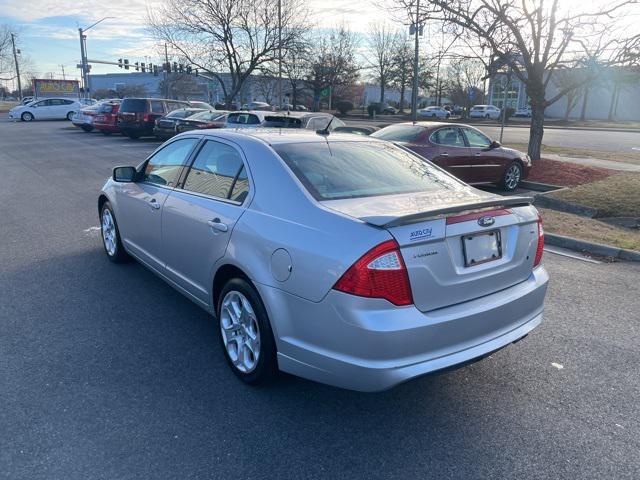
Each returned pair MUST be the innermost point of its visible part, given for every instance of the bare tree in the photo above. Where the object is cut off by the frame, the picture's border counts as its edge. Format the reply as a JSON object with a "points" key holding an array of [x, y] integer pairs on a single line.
{"points": [[565, 80], [401, 75], [266, 85], [463, 83], [295, 67], [332, 63], [531, 37], [236, 37], [382, 44]]}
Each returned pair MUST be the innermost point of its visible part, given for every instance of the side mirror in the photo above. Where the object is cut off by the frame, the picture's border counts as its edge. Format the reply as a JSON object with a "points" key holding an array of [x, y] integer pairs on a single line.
{"points": [[495, 144], [125, 174]]}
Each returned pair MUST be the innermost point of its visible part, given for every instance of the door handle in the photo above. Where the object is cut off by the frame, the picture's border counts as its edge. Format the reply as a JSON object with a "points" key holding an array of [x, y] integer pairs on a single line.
{"points": [[444, 154], [153, 203], [477, 154], [216, 224]]}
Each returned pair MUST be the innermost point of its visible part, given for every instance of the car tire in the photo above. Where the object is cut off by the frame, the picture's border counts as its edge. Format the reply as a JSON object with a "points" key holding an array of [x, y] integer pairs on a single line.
{"points": [[111, 235], [511, 177], [26, 117], [133, 136], [487, 116], [86, 128], [69, 116], [245, 333]]}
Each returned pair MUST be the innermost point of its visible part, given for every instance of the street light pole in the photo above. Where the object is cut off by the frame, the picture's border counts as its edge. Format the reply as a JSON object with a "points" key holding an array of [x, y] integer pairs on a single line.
{"points": [[414, 89], [15, 59], [279, 54], [83, 55]]}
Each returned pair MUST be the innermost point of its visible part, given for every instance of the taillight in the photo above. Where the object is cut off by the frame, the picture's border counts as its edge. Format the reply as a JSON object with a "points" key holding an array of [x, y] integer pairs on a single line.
{"points": [[379, 273], [146, 117], [540, 248]]}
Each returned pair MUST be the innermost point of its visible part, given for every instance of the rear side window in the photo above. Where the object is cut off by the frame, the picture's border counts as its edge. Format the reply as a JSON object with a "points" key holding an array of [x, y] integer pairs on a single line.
{"points": [[157, 106], [215, 171], [282, 122], [360, 169], [165, 166], [133, 105], [400, 133]]}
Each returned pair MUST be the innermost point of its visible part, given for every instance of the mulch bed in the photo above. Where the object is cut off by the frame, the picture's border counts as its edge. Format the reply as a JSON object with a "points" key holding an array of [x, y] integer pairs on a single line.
{"points": [[566, 174]]}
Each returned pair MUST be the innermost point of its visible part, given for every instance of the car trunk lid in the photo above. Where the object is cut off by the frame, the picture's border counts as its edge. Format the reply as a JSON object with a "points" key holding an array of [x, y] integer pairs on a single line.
{"points": [[439, 233]]}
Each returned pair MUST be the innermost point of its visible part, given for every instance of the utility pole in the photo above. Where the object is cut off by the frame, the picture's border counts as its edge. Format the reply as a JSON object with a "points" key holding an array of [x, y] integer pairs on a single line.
{"points": [[63, 76], [166, 73], [83, 61], [15, 59], [279, 54], [414, 89]]}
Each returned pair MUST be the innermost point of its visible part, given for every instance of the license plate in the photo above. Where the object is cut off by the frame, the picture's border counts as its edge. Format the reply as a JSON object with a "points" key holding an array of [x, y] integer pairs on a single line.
{"points": [[481, 248]]}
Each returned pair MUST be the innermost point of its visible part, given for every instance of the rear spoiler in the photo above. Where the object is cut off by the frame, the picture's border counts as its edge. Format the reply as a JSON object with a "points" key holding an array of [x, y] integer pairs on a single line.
{"points": [[441, 212]]}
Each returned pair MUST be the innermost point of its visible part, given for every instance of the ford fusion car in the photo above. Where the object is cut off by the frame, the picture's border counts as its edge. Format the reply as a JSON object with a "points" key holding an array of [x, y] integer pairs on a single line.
{"points": [[339, 258]]}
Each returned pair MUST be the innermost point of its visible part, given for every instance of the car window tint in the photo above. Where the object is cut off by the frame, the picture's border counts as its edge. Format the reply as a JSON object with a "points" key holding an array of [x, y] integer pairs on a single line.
{"points": [[165, 166], [243, 119], [240, 188], [449, 136], [214, 170], [399, 133], [157, 106], [361, 169], [476, 139]]}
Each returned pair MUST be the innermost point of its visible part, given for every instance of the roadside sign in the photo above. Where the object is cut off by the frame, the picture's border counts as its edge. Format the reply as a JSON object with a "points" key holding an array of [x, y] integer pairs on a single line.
{"points": [[472, 94], [325, 92]]}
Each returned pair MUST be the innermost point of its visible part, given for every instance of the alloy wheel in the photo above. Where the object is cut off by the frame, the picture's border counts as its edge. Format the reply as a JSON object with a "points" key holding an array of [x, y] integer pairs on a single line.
{"points": [[512, 176], [240, 331], [109, 234]]}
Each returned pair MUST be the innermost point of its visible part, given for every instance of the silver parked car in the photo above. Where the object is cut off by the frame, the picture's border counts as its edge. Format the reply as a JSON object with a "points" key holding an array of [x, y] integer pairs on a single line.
{"points": [[340, 258]]}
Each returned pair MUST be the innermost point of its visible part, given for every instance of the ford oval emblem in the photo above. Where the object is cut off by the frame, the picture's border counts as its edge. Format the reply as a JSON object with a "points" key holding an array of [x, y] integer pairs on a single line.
{"points": [[486, 221]]}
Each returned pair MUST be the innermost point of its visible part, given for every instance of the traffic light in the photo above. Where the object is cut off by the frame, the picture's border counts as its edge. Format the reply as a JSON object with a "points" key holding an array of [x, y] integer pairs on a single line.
{"points": [[119, 63], [189, 69], [175, 66], [196, 72], [126, 64], [155, 70], [167, 67], [137, 66], [142, 68]]}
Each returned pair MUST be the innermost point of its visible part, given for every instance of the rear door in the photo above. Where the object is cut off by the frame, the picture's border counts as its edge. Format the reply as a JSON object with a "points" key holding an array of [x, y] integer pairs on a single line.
{"points": [[456, 259], [452, 152], [140, 203], [198, 217]]}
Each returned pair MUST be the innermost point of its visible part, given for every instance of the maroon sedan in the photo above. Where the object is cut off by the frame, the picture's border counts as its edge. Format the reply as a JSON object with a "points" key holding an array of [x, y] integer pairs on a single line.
{"points": [[462, 150]]}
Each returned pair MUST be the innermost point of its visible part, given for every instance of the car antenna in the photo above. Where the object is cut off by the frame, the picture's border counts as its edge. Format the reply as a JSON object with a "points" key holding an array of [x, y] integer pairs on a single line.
{"points": [[325, 130]]}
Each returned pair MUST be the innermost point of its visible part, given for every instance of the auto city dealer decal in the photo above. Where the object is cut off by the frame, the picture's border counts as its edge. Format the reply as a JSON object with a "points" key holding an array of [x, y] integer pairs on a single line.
{"points": [[421, 234]]}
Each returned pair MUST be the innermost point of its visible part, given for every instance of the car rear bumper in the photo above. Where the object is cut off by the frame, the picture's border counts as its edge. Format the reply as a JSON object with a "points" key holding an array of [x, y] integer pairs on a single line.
{"points": [[369, 345]]}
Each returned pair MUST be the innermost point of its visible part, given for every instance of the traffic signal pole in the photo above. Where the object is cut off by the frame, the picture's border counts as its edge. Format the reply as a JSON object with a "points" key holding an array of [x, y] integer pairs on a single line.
{"points": [[15, 59]]}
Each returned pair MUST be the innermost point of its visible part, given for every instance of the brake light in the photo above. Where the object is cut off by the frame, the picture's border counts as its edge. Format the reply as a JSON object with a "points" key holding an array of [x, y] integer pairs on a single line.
{"points": [[379, 273], [146, 117], [540, 248]]}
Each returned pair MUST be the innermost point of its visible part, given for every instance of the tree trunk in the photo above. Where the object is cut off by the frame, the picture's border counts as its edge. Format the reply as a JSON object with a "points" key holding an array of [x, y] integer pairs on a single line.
{"points": [[583, 114], [402, 89], [382, 82], [536, 131], [612, 105]]}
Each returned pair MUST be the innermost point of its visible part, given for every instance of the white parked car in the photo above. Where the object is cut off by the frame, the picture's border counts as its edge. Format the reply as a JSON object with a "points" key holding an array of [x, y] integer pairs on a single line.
{"points": [[46, 109], [523, 112], [434, 112], [484, 111]]}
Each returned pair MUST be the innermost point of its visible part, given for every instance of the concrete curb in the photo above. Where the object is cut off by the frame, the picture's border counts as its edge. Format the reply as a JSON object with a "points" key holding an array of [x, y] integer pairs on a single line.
{"points": [[545, 201], [539, 187], [597, 248]]}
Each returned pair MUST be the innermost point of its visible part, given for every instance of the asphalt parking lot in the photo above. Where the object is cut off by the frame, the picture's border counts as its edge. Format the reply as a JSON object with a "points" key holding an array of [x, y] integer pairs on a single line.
{"points": [[107, 372]]}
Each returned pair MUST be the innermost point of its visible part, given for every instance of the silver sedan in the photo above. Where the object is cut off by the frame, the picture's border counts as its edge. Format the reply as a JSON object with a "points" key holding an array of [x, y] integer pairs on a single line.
{"points": [[339, 258]]}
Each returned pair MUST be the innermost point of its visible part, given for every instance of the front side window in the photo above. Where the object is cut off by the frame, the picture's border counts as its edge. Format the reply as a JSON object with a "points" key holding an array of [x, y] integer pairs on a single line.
{"points": [[450, 136], [361, 169], [476, 139], [165, 166], [216, 171]]}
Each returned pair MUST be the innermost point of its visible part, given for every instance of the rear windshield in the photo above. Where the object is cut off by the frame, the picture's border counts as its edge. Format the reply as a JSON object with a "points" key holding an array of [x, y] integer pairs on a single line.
{"points": [[282, 122], [336, 170], [399, 133], [243, 119], [208, 116], [182, 113], [106, 108], [133, 105]]}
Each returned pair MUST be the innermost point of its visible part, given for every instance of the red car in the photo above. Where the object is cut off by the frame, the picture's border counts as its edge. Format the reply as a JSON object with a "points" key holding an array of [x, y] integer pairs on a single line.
{"points": [[462, 150], [106, 119]]}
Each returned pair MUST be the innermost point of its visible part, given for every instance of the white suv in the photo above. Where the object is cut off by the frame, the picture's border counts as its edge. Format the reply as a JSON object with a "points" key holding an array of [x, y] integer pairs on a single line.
{"points": [[484, 111]]}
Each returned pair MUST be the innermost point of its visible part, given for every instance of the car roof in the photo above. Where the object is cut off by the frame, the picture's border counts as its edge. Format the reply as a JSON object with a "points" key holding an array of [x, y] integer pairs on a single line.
{"points": [[278, 136]]}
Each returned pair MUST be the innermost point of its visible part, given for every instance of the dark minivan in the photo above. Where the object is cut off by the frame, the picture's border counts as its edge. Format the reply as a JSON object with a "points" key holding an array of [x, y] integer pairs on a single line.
{"points": [[137, 116]]}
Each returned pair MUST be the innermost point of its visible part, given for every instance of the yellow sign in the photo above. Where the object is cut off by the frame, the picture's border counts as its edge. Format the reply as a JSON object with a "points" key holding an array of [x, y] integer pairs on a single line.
{"points": [[55, 87]]}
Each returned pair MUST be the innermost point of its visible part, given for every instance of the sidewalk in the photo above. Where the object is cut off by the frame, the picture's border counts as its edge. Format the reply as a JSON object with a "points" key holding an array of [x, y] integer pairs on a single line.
{"points": [[595, 162]]}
